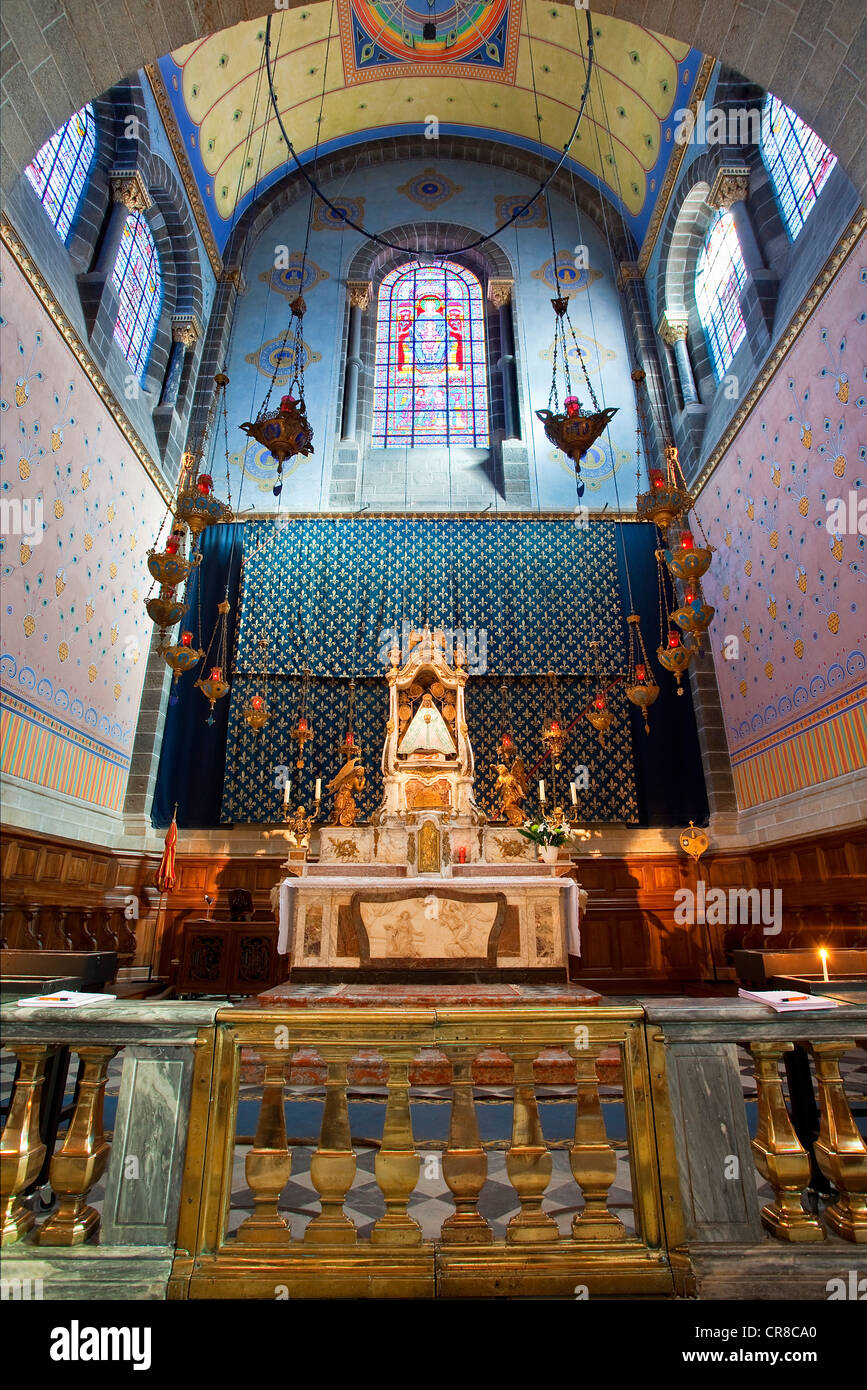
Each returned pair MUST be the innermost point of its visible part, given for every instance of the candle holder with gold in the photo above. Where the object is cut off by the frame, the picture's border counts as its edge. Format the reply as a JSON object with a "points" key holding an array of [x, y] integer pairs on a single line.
{"points": [[213, 687], [182, 656], [694, 615], [667, 498], [686, 560], [641, 688], [256, 712], [286, 431], [674, 656], [599, 715]]}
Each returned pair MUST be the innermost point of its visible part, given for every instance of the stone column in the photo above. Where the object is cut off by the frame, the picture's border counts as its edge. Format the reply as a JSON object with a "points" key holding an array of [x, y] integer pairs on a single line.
{"points": [[185, 334], [129, 193], [360, 292], [673, 330], [730, 191], [645, 349], [500, 295]]}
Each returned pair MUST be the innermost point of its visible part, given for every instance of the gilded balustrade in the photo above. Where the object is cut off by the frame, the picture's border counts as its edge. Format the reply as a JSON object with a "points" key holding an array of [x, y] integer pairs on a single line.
{"points": [[539, 1252], [778, 1153]]}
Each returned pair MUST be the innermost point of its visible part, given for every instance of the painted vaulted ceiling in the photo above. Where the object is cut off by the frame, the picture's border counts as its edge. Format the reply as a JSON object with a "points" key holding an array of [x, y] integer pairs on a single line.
{"points": [[493, 66]]}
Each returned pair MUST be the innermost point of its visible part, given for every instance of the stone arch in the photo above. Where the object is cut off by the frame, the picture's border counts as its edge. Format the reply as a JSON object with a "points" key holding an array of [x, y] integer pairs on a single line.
{"points": [[810, 57], [372, 263]]}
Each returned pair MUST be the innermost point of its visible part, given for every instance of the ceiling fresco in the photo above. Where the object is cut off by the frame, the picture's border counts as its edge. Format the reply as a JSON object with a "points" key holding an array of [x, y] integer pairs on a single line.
{"points": [[484, 74]]}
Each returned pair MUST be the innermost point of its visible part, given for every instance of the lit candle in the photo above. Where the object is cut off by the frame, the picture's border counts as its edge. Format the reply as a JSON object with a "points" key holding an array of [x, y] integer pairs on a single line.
{"points": [[172, 545], [542, 791], [574, 791], [216, 673], [287, 791], [673, 640], [686, 540], [186, 639], [640, 672], [599, 702], [824, 958], [256, 702], [318, 788]]}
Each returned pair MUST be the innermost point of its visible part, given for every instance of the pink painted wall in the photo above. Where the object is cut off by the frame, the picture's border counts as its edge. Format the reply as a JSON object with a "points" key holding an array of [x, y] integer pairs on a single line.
{"points": [[791, 592], [75, 633]]}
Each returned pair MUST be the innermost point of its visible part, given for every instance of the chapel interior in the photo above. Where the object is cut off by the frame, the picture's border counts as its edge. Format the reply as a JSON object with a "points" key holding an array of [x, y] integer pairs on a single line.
{"points": [[434, 512]]}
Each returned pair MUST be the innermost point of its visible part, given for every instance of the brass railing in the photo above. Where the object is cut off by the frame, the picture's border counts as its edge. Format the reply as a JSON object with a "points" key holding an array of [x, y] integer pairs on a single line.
{"points": [[674, 1068]]}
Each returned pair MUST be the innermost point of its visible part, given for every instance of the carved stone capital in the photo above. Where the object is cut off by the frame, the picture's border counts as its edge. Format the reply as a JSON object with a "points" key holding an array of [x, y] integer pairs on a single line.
{"points": [[186, 329], [360, 293], [673, 328], [731, 185], [128, 187], [500, 292], [628, 271], [233, 275]]}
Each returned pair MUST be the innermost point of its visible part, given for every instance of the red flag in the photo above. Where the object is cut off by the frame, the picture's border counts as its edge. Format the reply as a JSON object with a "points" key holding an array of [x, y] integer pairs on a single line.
{"points": [[166, 872]]}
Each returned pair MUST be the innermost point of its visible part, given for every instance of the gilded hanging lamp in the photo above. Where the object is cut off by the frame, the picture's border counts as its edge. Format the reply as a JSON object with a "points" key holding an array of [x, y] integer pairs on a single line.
{"points": [[286, 431], [641, 688], [572, 428]]}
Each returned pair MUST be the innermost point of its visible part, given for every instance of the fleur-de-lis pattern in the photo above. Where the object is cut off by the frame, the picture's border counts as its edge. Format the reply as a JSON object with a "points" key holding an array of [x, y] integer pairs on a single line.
{"points": [[333, 594]]}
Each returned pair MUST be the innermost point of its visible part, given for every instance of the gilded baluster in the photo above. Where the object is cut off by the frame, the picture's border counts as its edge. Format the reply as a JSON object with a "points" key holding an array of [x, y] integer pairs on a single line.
{"points": [[777, 1151], [397, 1164], [21, 1149], [332, 1167], [268, 1164], [465, 1163], [592, 1159], [840, 1151], [82, 1159], [528, 1162]]}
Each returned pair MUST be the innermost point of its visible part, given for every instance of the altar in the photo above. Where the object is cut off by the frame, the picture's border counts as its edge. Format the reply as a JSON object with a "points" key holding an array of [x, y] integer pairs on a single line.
{"points": [[429, 890]]}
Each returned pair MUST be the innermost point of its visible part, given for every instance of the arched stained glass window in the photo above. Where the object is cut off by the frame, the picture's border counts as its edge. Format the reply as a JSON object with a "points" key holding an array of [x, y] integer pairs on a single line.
{"points": [[431, 379], [60, 169], [137, 279], [720, 275], [797, 161]]}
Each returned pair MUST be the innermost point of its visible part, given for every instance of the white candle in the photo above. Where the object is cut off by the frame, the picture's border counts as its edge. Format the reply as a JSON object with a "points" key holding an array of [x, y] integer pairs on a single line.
{"points": [[542, 791], [287, 792], [574, 790], [824, 957], [318, 788]]}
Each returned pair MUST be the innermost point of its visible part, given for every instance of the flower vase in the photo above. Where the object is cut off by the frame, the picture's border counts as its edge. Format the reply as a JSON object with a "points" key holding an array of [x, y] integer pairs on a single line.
{"points": [[548, 854]]}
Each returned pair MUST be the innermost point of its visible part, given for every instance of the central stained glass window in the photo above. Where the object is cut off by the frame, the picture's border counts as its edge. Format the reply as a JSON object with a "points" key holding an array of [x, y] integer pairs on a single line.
{"points": [[430, 383]]}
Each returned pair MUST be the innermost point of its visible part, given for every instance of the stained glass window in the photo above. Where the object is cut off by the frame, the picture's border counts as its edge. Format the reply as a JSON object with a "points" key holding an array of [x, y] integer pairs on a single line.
{"points": [[431, 380], [60, 169], [720, 275], [797, 161], [137, 279]]}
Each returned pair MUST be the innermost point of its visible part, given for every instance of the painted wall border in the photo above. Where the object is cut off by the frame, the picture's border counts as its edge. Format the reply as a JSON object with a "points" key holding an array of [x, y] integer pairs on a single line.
{"points": [[185, 169], [663, 197]]}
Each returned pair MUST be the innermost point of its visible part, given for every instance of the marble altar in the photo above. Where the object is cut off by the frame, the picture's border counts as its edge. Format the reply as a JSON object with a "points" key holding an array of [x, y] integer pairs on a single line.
{"points": [[428, 889]]}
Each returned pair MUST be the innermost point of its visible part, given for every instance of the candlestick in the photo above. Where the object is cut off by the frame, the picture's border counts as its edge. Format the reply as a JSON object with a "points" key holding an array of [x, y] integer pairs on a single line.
{"points": [[542, 792], [574, 791], [823, 954], [287, 792]]}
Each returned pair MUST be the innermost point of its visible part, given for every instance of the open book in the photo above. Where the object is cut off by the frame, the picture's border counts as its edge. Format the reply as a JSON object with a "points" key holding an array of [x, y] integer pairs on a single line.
{"points": [[788, 1000]]}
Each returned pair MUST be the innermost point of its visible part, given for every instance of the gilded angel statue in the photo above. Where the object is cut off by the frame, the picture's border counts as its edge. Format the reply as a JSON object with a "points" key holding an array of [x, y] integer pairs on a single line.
{"points": [[349, 780], [511, 788]]}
